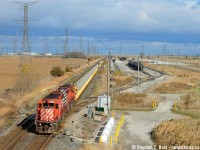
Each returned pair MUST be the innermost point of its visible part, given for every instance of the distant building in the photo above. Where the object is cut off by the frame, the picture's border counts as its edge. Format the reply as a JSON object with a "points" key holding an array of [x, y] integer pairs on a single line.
{"points": [[48, 54], [31, 53], [11, 54]]}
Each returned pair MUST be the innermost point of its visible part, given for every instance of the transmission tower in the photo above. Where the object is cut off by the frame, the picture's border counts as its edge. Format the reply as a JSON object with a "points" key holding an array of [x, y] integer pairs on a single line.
{"points": [[120, 48], [25, 58], [88, 49], [67, 41], [81, 46], [46, 47], [15, 46]]}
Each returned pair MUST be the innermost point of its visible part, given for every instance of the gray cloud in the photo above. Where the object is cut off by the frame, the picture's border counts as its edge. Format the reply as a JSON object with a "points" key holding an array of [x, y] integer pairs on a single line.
{"points": [[127, 15]]}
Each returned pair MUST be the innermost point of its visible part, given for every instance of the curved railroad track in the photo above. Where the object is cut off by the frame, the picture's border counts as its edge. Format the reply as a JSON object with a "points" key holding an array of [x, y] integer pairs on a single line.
{"points": [[150, 76]]}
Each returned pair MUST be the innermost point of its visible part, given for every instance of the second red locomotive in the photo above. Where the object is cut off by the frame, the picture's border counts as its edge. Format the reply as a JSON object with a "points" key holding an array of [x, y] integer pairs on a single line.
{"points": [[52, 108]]}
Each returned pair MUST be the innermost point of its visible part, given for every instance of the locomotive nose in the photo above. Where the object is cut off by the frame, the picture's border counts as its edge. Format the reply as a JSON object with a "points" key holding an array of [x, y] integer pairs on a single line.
{"points": [[46, 115]]}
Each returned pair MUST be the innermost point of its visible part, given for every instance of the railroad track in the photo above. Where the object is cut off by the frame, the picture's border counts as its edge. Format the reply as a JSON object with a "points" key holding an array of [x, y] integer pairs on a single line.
{"points": [[14, 137], [40, 141], [141, 80], [116, 66]]}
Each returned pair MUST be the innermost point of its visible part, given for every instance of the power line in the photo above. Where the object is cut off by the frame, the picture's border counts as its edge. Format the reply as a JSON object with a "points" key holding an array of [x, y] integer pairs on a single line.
{"points": [[66, 44]]}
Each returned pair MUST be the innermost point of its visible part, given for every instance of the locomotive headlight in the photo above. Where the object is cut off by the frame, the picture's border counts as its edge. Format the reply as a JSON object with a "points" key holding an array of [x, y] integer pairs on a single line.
{"points": [[40, 124], [51, 124]]}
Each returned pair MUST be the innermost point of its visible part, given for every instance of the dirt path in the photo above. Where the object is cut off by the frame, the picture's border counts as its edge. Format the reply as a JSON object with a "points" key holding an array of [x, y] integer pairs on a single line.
{"points": [[138, 125]]}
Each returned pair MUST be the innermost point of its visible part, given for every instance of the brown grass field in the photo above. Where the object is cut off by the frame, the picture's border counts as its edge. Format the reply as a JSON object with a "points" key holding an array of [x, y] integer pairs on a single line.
{"points": [[195, 62], [186, 131], [189, 105], [12, 102], [183, 132], [9, 68], [120, 79], [131, 101], [181, 81]]}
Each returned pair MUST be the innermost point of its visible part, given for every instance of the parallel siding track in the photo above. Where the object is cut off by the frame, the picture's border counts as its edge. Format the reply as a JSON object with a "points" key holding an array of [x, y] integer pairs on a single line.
{"points": [[40, 141]]}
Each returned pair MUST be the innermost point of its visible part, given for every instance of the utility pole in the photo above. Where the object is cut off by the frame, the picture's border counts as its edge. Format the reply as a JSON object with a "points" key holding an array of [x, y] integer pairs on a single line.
{"points": [[120, 48], [156, 61], [57, 46], [138, 76], [164, 49], [66, 49], [142, 52], [108, 76], [88, 49]]}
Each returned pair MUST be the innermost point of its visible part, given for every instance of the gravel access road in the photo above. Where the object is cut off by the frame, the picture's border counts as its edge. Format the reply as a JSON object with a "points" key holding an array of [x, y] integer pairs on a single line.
{"points": [[138, 125]]}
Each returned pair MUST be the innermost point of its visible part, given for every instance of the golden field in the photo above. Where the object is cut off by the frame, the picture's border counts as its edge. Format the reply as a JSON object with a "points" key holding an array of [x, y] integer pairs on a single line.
{"points": [[41, 66]]}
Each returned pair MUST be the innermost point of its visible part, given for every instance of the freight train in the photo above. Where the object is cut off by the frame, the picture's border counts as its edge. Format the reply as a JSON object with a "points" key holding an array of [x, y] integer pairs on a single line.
{"points": [[51, 109], [135, 65], [122, 58]]}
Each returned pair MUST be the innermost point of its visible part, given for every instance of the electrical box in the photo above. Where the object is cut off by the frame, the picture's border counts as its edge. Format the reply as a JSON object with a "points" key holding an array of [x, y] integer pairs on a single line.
{"points": [[104, 102]]}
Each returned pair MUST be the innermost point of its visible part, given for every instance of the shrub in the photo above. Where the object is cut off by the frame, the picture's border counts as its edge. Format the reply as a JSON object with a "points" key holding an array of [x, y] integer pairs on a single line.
{"points": [[57, 71], [75, 54], [68, 69], [89, 59]]}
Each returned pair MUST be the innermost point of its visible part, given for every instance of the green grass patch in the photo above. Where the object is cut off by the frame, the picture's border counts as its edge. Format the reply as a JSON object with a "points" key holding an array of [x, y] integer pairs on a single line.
{"points": [[191, 113]]}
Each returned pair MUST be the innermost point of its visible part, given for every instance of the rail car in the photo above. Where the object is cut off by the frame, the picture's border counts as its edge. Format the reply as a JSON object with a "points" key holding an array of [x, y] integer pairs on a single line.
{"points": [[51, 109], [135, 65], [122, 58]]}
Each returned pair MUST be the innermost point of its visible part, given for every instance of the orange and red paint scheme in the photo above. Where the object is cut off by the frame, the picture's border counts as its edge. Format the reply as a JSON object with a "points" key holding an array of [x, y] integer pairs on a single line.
{"points": [[51, 108]]}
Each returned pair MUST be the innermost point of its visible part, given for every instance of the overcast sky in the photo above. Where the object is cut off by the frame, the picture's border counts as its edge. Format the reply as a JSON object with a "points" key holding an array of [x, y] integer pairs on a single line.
{"points": [[106, 23]]}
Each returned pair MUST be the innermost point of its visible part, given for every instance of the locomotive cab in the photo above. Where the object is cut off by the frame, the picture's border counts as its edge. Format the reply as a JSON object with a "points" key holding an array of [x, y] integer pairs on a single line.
{"points": [[48, 113]]}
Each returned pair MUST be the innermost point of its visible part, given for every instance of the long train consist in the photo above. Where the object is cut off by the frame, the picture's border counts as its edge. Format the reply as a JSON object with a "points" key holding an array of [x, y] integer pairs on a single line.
{"points": [[51, 109], [135, 65]]}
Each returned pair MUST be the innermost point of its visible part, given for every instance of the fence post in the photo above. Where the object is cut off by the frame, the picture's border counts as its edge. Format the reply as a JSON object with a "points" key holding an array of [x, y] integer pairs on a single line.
{"points": [[175, 105], [153, 106], [116, 135], [110, 141], [100, 140]]}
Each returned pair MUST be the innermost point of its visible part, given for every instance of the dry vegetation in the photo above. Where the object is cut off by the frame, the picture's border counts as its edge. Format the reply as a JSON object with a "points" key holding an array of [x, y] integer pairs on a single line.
{"points": [[101, 84], [13, 103], [178, 132], [185, 131], [192, 61], [100, 147], [120, 79], [131, 101], [183, 80], [189, 105], [41, 66]]}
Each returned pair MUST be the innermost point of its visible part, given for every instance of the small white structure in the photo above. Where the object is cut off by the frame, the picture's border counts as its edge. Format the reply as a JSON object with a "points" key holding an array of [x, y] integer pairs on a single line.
{"points": [[104, 101]]}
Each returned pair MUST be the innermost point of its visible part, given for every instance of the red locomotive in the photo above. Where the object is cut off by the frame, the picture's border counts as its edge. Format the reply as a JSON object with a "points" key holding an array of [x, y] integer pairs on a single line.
{"points": [[52, 108]]}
